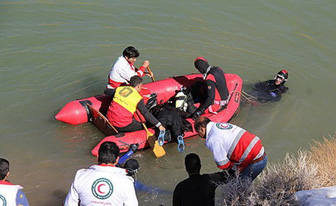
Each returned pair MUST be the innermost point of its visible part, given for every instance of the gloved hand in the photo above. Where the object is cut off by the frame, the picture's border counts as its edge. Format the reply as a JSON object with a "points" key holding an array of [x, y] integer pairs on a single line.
{"points": [[273, 94], [133, 147], [161, 136], [196, 114]]}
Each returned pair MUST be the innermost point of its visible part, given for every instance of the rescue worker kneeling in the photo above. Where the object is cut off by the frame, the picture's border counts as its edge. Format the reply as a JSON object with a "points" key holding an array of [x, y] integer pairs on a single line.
{"points": [[217, 92], [232, 147], [124, 105]]}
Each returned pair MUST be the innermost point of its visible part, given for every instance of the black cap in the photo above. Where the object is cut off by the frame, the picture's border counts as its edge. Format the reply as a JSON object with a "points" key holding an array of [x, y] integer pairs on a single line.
{"points": [[201, 64]]}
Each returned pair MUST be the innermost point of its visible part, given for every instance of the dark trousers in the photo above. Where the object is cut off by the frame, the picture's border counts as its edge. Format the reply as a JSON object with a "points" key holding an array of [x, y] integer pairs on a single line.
{"points": [[133, 126], [109, 92]]}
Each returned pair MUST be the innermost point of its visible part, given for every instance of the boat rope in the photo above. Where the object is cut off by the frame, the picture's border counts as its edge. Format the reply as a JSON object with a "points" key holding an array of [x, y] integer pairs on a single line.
{"points": [[247, 96]]}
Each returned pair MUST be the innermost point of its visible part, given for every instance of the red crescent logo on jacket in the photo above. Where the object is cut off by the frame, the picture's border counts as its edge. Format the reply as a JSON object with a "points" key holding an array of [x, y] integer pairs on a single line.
{"points": [[224, 126], [3, 200], [102, 188]]}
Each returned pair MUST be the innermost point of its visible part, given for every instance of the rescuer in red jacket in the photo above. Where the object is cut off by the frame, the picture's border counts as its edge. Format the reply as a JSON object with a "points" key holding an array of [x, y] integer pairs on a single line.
{"points": [[125, 103], [232, 147]]}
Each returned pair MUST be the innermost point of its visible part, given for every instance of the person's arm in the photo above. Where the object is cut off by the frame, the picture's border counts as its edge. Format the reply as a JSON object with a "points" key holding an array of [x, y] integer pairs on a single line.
{"points": [[141, 71], [265, 86], [259, 85], [220, 155], [211, 95], [283, 89], [278, 91], [72, 198], [148, 116], [211, 85], [220, 177], [21, 199], [177, 197]]}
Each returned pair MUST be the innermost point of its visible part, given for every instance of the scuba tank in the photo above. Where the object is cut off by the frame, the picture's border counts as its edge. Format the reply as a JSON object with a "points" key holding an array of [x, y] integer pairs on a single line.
{"points": [[181, 100]]}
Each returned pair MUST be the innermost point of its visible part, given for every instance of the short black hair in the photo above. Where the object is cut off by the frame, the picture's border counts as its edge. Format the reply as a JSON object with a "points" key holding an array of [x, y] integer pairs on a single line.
{"points": [[135, 81], [131, 52], [132, 166], [192, 163], [4, 168], [108, 153], [201, 122]]}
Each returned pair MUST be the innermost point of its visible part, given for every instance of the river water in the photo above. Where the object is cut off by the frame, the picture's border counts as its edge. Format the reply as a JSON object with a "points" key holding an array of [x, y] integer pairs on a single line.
{"points": [[55, 51]]}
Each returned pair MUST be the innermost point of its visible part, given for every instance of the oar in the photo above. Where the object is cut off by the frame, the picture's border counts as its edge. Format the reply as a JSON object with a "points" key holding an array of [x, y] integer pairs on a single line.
{"points": [[153, 143], [95, 113], [151, 74], [152, 140]]}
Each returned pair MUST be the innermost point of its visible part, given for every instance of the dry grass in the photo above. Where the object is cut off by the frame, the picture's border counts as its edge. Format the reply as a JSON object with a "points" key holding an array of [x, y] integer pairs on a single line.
{"points": [[323, 155], [278, 182], [237, 192]]}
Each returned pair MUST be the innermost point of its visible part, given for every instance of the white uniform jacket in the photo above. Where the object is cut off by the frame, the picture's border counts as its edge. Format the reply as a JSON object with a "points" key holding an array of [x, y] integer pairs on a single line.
{"points": [[102, 185], [232, 145], [11, 195], [121, 72]]}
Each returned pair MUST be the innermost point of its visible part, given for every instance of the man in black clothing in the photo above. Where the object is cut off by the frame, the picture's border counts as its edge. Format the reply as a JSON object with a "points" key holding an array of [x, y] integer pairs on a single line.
{"points": [[197, 189], [270, 90], [217, 92], [175, 123]]}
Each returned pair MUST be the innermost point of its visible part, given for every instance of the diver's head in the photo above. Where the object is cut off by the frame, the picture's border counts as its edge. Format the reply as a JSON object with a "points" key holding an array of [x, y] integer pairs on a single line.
{"points": [[201, 64], [281, 77]]}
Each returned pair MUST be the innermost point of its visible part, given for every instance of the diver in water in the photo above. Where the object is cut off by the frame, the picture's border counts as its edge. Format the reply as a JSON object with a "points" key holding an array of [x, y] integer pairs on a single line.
{"points": [[270, 90]]}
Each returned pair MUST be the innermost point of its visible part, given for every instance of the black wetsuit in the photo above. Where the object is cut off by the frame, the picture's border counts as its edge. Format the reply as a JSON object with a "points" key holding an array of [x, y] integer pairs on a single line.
{"points": [[216, 90], [268, 91], [173, 120], [215, 80], [198, 190]]}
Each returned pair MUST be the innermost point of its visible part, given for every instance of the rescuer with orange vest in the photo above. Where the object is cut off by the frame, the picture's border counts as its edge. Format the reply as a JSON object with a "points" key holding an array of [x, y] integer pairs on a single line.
{"points": [[125, 103]]}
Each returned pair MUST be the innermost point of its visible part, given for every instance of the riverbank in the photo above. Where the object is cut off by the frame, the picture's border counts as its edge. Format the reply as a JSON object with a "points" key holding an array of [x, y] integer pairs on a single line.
{"points": [[305, 179]]}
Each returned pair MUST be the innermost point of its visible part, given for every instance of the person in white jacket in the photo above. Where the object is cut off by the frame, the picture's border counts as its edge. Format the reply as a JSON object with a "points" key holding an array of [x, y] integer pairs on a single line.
{"points": [[123, 69], [10, 194], [103, 184]]}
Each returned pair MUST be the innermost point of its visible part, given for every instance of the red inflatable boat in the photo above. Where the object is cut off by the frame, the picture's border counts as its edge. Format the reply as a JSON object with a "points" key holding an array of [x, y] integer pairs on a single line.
{"points": [[77, 112]]}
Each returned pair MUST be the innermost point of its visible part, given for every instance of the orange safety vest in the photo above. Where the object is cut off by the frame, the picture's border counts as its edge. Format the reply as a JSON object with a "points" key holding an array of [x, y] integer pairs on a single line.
{"points": [[124, 105]]}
